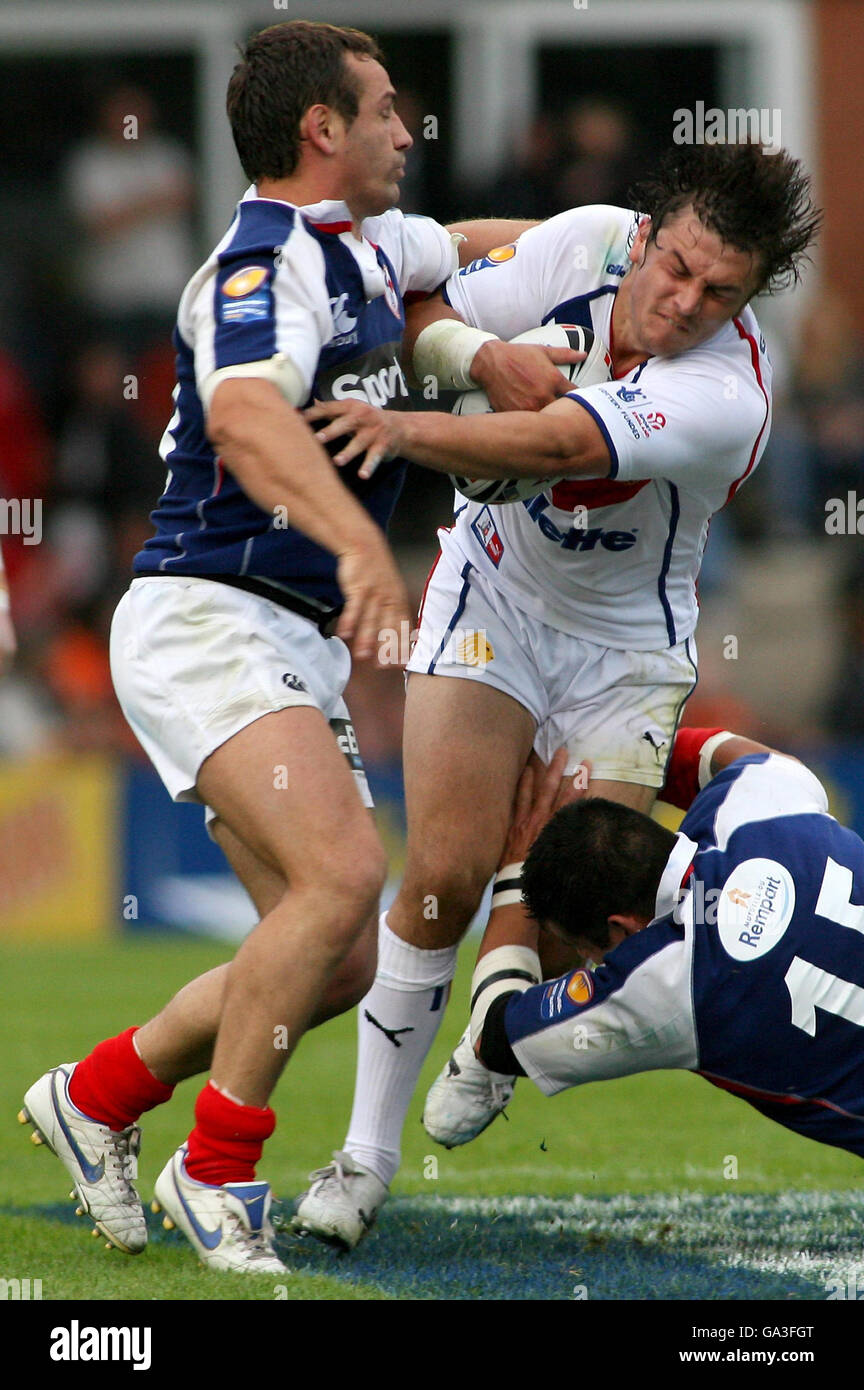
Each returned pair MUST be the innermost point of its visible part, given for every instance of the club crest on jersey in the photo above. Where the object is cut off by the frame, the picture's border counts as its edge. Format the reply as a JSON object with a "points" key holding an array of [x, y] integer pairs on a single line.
{"points": [[755, 907], [630, 394], [245, 281], [344, 322], [391, 294], [580, 987], [486, 531]]}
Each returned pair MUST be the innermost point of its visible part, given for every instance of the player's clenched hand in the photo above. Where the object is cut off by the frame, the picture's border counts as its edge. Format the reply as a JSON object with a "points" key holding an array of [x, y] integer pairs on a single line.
{"points": [[373, 433], [520, 377], [541, 792], [375, 597]]}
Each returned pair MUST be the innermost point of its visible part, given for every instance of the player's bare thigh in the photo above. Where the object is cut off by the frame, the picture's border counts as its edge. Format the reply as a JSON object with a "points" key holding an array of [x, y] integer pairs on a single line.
{"points": [[284, 790], [352, 977], [465, 745]]}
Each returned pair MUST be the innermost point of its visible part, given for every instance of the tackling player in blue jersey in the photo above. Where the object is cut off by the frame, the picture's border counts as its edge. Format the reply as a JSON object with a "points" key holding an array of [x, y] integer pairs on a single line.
{"points": [[734, 948], [230, 652]]}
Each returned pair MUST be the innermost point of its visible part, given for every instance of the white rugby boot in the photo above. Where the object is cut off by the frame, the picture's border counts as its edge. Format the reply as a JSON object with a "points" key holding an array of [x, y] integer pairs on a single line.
{"points": [[342, 1204], [229, 1227], [102, 1162], [465, 1098]]}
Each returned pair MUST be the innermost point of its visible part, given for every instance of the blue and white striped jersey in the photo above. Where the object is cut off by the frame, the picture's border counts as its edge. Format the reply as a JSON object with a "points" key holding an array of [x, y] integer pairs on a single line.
{"points": [[752, 972], [286, 282]]}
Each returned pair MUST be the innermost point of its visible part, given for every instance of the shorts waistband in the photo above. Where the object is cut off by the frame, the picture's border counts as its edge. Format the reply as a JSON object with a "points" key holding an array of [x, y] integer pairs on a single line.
{"points": [[323, 617]]}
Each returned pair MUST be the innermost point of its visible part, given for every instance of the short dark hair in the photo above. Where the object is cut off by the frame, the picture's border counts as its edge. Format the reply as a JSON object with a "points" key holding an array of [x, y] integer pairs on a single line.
{"points": [[759, 203], [593, 860], [283, 71]]}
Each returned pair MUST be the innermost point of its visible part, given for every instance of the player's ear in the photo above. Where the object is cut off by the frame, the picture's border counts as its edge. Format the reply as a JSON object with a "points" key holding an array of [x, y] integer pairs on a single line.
{"points": [[636, 253], [320, 126]]}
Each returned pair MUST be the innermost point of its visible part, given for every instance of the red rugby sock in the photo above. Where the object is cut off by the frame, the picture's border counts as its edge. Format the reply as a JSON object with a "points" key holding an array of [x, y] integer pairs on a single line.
{"points": [[227, 1140], [113, 1086]]}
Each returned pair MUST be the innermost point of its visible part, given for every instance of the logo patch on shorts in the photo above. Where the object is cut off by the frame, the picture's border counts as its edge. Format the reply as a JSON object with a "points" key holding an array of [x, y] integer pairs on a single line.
{"points": [[486, 531], [293, 682], [580, 987], [474, 650]]}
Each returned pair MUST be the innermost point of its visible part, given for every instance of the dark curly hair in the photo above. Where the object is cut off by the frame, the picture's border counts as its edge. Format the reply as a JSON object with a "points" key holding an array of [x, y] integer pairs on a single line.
{"points": [[285, 69], [593, 860], [759, 203]]}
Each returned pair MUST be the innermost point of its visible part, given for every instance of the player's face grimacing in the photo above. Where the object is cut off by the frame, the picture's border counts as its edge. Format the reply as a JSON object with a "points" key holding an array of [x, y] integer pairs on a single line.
{"points": [[684, 285], [375, 143]]}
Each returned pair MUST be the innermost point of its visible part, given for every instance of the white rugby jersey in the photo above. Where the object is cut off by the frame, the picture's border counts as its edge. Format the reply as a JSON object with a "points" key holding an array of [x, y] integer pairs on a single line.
{"points": [[683, 433], [752, 972]]}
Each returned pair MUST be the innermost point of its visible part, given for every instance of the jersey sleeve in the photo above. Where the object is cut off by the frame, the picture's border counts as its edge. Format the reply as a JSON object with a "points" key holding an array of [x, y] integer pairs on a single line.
{"points": [[760, 787], [634, 1013], [514, 287], [699, 420], [422, 252], [258, 306]]}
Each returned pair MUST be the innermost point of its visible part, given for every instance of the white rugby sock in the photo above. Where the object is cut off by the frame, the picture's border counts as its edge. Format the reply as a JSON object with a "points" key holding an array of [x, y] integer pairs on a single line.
{"points": [[406, 1002]]}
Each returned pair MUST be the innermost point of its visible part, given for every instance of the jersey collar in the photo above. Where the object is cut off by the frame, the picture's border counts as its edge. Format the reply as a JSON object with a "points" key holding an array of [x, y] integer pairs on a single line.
{"points": [[334, 217], [677, 867]]}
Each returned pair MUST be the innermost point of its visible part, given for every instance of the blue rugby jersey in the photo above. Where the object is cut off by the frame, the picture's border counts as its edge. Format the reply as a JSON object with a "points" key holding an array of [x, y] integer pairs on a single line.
{"points": [[752, 972], [292, 281]]}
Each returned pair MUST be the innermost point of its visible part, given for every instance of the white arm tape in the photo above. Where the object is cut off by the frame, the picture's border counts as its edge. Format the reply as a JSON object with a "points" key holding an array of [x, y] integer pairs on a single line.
{"points": [[278, 369], [709, 747], [507, 888], [502, 971], [445, 350]]}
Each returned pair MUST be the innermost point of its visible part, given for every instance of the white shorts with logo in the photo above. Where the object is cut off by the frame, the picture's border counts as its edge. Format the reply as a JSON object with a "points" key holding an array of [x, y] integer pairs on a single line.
{"points": [[617, 709], [194, 662]]}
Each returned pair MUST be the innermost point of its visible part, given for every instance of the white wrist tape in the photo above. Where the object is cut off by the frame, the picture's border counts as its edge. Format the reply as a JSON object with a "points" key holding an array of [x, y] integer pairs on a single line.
{"points": [[507, 888], [502, 971], [707, 753], [445, 350], [279, 369]]}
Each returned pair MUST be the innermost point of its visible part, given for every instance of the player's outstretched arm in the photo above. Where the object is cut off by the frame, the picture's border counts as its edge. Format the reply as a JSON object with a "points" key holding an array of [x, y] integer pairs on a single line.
{"points": [[280, 465], [561, 440], [541, 792], [697, 756], [483, 234]]}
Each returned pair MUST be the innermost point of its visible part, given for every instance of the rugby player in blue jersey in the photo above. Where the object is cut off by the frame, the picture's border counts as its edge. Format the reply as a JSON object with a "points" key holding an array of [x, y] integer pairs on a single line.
{"points": [[734, 948], [230, 652]]}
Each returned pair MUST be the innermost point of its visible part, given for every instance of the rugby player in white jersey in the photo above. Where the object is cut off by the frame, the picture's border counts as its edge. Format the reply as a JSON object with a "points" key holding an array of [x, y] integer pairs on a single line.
{"points": [[582, 601], [230, 651]]}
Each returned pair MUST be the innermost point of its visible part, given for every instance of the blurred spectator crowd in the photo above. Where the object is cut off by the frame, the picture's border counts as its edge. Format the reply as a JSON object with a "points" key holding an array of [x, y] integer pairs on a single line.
{"points": [[83, 436]]}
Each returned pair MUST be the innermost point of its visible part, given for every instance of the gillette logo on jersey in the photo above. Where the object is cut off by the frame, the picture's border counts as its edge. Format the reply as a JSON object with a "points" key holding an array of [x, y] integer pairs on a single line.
{"points": [[575, 537], [291, 283]]}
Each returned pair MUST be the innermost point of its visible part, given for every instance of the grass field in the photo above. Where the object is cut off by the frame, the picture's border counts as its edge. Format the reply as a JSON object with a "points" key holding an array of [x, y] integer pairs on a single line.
{"points": [[615, 1192]]}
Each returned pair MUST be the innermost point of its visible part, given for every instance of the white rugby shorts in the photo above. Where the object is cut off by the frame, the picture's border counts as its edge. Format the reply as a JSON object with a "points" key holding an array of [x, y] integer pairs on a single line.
{"points": [[617, 709], [194, 662]]}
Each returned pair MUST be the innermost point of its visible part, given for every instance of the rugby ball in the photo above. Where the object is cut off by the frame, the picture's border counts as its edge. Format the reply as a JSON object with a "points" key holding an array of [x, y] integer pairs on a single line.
{"points": [[596, 367]]}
